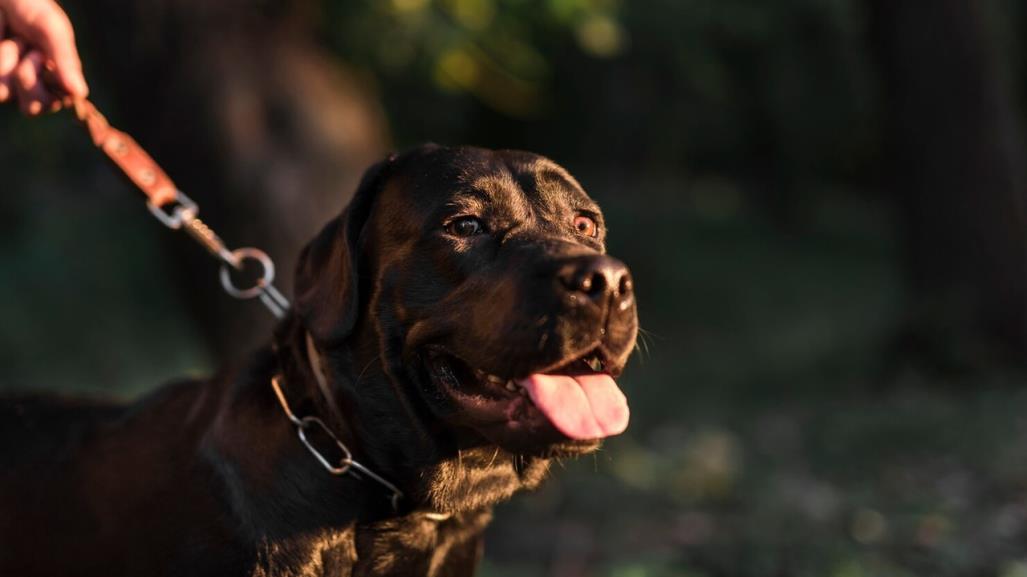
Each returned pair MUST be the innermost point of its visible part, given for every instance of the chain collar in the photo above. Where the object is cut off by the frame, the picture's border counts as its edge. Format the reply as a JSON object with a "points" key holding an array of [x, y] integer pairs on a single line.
{"points": [[346, 463]]}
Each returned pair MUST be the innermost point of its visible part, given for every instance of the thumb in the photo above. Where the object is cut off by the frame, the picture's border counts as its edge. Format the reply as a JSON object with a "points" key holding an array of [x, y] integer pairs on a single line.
{"points": [[69, 72], [58, 44], [48, 28]]}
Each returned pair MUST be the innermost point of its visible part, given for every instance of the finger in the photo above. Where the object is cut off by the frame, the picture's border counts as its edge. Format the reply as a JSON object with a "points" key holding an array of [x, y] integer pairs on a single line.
{"points": [[28, 82], [50, 30], [10, 55]]}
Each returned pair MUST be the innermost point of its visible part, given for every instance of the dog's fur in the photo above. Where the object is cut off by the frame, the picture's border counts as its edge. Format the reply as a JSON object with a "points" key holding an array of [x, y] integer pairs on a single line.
{"points": [[209, 478]]}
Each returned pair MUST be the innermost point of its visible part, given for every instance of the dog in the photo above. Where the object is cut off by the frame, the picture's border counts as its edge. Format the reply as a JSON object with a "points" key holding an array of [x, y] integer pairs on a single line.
{"points": [[454, 329]]}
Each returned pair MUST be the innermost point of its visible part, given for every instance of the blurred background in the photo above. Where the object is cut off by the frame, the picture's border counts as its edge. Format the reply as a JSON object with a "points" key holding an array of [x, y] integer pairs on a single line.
{"points": [[822, 201]]}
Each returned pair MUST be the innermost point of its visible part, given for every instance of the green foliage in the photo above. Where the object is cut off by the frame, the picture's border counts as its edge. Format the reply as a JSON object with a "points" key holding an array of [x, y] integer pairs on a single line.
{"points": [[777, 96], [483, 47]]}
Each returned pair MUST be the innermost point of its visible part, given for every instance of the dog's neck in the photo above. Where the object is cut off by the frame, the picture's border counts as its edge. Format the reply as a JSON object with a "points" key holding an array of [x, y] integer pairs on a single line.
{"points": [[281, 494], [350, 388]]}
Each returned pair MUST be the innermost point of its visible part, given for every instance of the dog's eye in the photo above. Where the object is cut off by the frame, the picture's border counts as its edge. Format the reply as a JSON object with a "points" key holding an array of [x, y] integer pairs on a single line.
{"points": [[586, 225], [465, 226]]}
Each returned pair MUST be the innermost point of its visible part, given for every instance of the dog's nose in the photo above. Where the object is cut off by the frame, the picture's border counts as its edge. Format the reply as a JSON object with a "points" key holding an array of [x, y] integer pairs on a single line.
{"points": [[599, 277]]}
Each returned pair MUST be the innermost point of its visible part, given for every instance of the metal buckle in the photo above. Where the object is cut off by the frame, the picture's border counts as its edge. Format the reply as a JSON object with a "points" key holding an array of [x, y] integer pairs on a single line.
{"points": [[179, 210]]}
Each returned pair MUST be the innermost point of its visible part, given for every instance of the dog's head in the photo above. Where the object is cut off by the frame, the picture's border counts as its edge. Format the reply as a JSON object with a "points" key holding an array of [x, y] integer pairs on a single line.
{"points": [[480, 280]]}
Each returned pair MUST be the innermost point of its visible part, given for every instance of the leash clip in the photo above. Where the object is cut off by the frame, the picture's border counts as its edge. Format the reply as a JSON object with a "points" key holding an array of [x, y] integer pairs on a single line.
{"points": [[182, 213], [181, 209], [262, 288]]}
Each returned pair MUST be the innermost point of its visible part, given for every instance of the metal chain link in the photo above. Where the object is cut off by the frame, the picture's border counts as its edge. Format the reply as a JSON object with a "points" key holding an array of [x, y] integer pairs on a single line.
{"points": [[182, 214], [346, 462]]}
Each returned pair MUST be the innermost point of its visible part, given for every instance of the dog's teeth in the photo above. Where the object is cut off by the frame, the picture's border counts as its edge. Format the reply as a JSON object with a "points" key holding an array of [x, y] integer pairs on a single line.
{"points": [[447, 374], [511, 386], [595, 364]]}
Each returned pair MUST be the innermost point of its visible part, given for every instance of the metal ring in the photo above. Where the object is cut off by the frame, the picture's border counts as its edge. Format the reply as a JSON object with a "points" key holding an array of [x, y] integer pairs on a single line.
{"points": [[241, 255]]}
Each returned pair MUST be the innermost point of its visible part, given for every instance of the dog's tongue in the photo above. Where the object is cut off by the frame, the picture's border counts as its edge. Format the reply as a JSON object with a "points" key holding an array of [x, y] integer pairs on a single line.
{"points": [[581, 407]]}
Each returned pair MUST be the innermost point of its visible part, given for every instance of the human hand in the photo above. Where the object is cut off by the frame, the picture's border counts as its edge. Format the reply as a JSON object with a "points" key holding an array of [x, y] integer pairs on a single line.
{"points": [[36, 39]]}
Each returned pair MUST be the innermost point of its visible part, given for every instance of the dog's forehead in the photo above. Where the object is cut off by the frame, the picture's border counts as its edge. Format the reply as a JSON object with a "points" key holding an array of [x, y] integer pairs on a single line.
{"points": [[513, 180]]}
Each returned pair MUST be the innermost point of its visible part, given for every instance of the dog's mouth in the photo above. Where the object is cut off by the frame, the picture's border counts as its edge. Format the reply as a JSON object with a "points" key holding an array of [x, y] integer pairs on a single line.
{"points": [[577, 396]]}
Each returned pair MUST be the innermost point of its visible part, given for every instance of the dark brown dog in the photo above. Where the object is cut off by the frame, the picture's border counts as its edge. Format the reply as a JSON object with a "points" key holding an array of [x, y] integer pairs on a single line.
{"points": [[466, 326]]}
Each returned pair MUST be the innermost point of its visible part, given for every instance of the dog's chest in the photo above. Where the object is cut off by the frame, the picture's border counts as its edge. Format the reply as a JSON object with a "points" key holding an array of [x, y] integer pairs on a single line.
{"points": [[326, 552], [411, 546], [419, 545]]}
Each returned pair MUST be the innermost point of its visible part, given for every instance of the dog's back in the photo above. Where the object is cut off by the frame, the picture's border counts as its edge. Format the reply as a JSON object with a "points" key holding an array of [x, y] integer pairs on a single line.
{"points": [[76, 474], [37, 429]]}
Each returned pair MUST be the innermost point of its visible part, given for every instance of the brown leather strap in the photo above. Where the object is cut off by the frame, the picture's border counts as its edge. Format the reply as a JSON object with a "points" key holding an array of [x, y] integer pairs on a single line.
{"points": [[122, 150], [140, 168]]}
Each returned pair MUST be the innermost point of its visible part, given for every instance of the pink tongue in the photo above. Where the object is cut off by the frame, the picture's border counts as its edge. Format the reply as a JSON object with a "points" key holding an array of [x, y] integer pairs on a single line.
{"points": [[581, 407]]}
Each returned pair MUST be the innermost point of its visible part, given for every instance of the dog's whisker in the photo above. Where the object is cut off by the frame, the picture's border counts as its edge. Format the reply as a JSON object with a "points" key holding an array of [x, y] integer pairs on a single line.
{"points": [[494, 456], [646, 344], [640, 353], [542, 340], [649, 335], [642, 343], [365, 369]]}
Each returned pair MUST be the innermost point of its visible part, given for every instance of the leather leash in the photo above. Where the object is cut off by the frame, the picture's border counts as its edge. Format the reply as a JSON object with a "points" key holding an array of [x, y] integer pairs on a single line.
{"points": [[172, 207], [126, 154]]}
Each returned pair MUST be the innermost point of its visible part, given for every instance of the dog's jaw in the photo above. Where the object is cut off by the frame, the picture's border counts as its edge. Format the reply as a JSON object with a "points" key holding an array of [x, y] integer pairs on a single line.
{"points": [[456, 469], [481, 477]]}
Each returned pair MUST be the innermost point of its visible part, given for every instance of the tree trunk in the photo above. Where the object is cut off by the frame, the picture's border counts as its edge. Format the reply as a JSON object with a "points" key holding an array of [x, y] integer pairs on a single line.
{"points": [[955, 157]]}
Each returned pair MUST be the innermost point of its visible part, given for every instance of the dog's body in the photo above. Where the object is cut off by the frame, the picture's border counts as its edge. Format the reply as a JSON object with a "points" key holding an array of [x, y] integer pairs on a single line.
{"points": [[106, 490], [459, 284]]}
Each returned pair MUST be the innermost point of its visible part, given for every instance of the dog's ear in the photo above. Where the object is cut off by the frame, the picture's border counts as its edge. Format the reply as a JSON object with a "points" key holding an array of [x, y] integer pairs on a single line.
{"points": [[327, 299]]}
